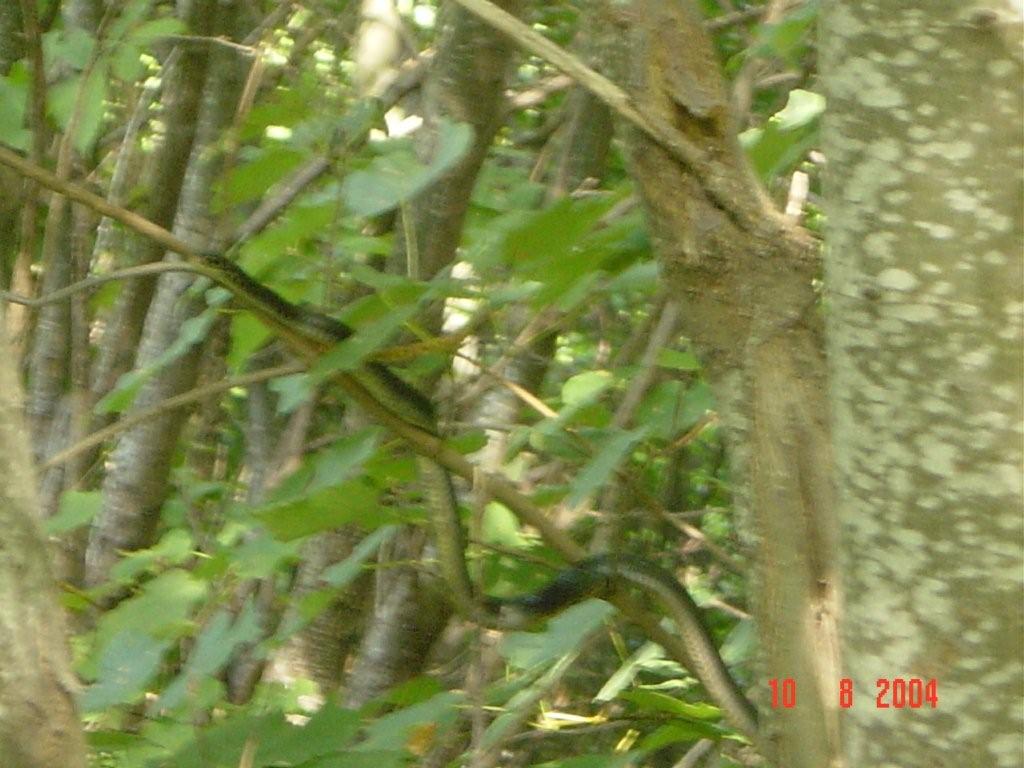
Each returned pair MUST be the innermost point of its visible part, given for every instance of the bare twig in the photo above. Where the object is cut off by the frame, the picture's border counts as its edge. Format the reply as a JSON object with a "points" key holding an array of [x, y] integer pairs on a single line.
{"points": [[679, 146], [165, 406]]}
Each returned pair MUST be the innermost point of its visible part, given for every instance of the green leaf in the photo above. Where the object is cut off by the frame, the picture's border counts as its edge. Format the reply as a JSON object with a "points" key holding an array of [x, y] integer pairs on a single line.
{"points": [[802, 108], [261, 555], [397, 176], [654, 701], [348, 355], [740, 644], [63, 98], [585, 387], [213, 648], [128, 662], [129, 14], [592, 761], [271, 251], [354, 501], [252, 179], [698, 401], [329, 730], [72, 46], [549, 247], [344, 458], [173, 548], [292, 391], [126, 63], [344, 573], [401, 726], [499, 526], [599, 469], [786, 38], [357, 758], [286, 107], [14, 95], [628, 671], [787, 137], [247, 335], [279, 743], [682, 730], [153, 30], [678, 360], [160, 609], [563, 634], [77, 508]]}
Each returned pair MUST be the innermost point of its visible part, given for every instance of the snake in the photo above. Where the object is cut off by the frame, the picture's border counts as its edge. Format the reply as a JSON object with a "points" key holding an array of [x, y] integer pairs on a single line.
{"points": [[310, 334], [374, 386], [404, 409]]}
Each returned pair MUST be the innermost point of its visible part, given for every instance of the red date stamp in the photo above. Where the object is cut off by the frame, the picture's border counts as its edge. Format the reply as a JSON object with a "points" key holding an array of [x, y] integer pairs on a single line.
{"points": [[891, 693]]}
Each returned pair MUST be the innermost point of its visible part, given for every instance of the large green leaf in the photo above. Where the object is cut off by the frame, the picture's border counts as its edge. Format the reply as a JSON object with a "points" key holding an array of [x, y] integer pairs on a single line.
{"points": [[214, 646], [787, 137], [263, 169], [355, 501], [599, 469], [549, 247], [275, 742], [77, 508], [404, 725], [161, 608], [563, 634], [64, 98], [397, 176], [14, 95], [128, 662]]}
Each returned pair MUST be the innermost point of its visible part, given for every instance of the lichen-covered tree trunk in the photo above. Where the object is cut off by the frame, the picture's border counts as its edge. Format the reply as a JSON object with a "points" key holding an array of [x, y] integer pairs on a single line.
{"points": [[926, 297], [39, 725], [744, 276]]}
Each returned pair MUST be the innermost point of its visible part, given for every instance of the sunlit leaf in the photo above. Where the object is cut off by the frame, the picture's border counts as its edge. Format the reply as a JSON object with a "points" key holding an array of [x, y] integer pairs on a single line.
{"points": [[563, 634], [397, 175]]}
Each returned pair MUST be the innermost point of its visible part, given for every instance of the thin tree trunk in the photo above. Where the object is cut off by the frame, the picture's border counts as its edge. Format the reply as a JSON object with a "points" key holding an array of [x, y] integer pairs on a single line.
{"points": [[136, 484]]}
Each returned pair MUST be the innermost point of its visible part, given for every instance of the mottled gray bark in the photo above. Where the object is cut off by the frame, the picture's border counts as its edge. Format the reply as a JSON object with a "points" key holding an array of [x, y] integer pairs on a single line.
{"points": [[184, 76], [403, 626], [926, 296], [39, 725], [136, 482]]}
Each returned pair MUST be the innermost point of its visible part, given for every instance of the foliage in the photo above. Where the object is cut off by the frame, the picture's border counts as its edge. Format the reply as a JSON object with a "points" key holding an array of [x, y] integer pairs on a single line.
{"points": [[154, 665]]}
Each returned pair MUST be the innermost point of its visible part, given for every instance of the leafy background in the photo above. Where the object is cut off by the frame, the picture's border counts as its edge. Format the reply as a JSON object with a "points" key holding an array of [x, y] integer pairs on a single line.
{"points": [[154, 663]]}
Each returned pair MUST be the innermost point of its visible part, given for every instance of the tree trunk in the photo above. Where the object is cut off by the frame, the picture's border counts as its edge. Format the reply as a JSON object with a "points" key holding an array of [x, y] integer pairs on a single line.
{"points": [[924, 280], [744, 277], [39, 726], [136, 484]]}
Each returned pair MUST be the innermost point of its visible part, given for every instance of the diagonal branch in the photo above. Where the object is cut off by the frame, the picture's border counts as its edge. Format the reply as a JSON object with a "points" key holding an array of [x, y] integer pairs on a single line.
{"points": [[691, 157], [178, 401]]}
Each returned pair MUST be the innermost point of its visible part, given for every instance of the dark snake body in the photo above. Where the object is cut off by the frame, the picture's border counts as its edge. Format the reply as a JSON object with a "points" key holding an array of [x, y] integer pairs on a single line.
{"points": [[310, 334]]}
